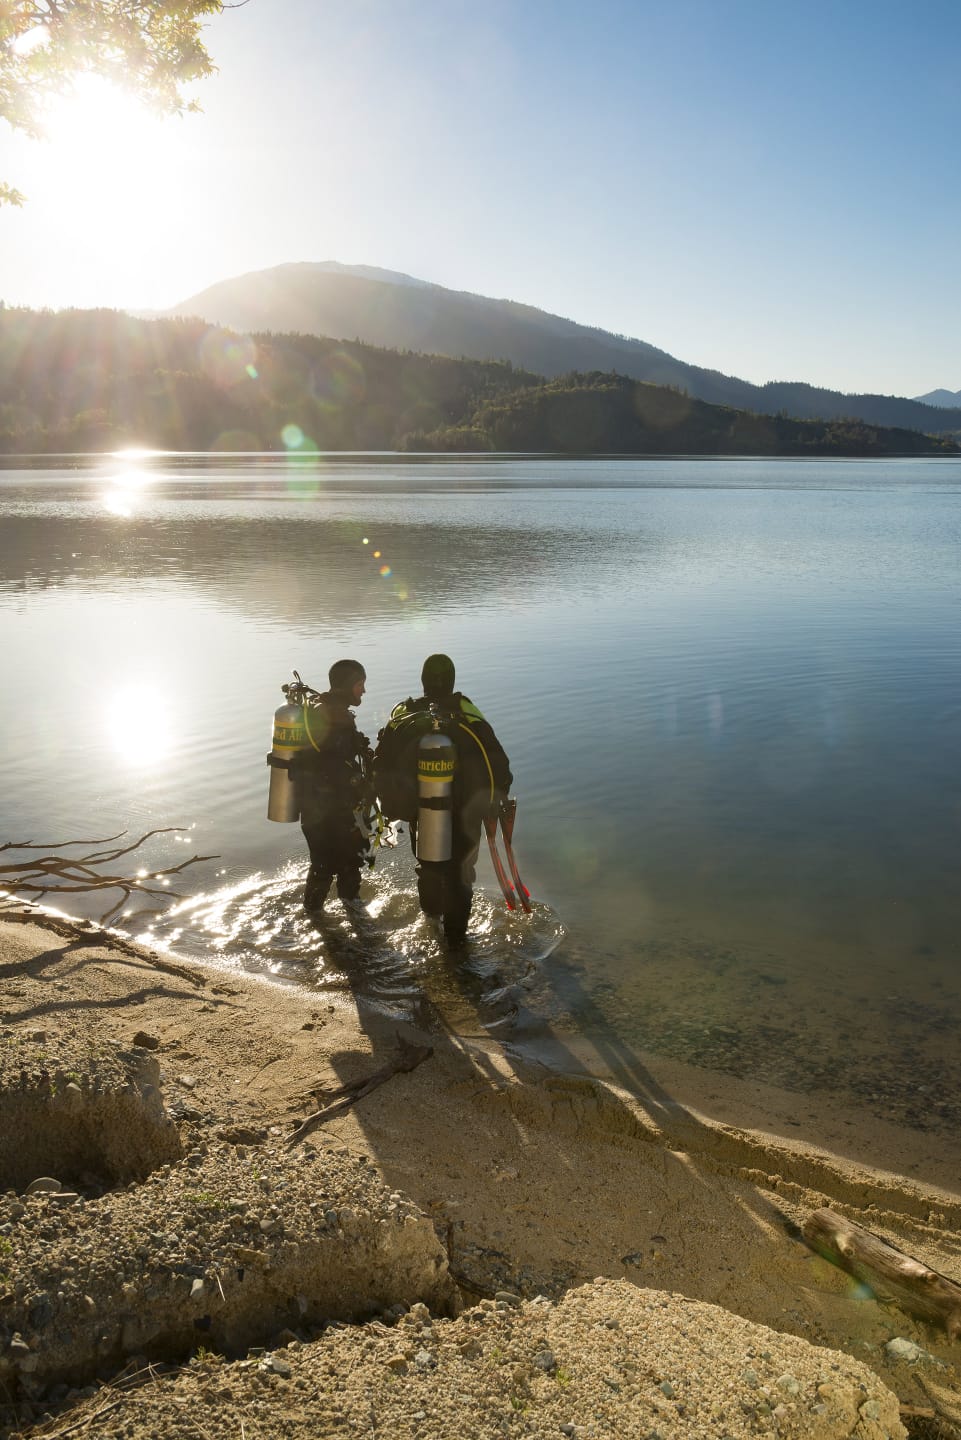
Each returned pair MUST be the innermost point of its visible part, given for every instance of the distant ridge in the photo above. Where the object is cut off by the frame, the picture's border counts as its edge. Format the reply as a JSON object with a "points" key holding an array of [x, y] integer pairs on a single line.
{"points": [[398, 312], [943, 399]]}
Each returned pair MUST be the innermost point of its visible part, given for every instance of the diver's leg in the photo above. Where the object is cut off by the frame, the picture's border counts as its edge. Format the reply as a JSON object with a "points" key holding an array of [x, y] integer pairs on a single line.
{"points": [[349, 846], [321, 872], [430, 886], [459, 888]]}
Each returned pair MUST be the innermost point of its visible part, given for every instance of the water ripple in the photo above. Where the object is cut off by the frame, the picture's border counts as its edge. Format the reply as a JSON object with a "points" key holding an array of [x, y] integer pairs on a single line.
{"points": [[384, 951]]}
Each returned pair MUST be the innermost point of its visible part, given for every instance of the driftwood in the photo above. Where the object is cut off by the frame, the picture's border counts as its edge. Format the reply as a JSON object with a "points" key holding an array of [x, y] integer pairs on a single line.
{"points": [[65, 875], [337, 1101], [890, 1272]]}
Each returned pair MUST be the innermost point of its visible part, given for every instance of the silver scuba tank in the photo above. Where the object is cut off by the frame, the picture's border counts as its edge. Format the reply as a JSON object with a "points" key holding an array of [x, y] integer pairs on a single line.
{"points": [[436, 762], [289, 739]]}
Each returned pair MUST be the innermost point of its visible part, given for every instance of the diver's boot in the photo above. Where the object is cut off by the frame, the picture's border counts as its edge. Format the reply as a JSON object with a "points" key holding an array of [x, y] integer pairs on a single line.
{"points": [[348, 892], [430, 888], [315, 890], [455, 930], [348, 884], [456, 916]]}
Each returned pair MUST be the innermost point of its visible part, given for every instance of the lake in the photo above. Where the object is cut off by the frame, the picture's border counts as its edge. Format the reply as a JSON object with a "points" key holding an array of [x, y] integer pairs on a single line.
{"points": [[730, 691]]}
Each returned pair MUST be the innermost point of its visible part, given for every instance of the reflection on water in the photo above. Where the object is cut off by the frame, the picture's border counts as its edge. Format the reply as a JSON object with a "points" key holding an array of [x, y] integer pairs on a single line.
{"points": [[729, 691], [384, 950], [137, 723]]}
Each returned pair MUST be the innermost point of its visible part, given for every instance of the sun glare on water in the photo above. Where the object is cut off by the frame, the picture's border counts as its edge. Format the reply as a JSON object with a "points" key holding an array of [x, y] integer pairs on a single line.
{"points": [[127, 484], [138, 725]]}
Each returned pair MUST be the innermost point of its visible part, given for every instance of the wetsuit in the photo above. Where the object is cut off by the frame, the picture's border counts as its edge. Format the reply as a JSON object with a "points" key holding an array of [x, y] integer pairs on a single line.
{"points": [[332, 780], [482, 778]]}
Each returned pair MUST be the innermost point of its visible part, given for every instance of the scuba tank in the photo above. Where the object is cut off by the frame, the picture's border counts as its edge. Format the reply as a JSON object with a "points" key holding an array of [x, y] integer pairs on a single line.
{"points": [[436, 762], [289, 739]]}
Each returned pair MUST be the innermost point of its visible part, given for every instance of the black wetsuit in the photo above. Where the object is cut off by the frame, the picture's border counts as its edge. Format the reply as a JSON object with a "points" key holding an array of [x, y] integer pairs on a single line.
{"points": [[482, 778], [332, 780]]}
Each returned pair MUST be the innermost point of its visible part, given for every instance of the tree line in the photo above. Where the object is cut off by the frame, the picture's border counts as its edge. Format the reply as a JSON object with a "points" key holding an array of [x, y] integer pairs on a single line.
{"points": [[91, 380]]}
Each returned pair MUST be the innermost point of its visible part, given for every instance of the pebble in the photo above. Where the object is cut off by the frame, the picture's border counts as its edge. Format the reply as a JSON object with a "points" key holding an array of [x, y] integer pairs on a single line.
{"points": [[906, 1350], [44, 1184]]}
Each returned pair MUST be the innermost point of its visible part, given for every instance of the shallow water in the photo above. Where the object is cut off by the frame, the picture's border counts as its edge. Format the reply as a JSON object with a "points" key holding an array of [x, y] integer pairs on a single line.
{"points": [[730, 690]]}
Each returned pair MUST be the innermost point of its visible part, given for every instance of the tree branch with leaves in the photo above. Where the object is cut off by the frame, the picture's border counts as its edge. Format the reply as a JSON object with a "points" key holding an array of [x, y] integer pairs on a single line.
{"points": [[152, 48]]}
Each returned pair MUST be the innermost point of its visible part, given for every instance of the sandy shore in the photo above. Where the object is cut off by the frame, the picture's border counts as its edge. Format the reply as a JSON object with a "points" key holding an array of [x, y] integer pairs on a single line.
{"points": [[527, 1213]]}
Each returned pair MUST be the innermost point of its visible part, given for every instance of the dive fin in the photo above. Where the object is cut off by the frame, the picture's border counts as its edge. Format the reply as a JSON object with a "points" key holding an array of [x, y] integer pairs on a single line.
{"points": [[508, 812], [507, 889]]}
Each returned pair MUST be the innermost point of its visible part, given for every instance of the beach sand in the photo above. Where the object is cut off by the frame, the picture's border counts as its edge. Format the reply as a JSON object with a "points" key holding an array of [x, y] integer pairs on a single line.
{"points": [[584, 1257]]}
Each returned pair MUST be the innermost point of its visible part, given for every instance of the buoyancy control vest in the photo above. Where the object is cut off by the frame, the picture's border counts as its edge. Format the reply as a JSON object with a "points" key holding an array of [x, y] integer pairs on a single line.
{"points": [[333, 771], [482, 771]]}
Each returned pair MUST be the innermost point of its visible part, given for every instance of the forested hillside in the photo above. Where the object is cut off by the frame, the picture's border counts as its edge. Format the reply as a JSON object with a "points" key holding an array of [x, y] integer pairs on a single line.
{"points": [[579, 414], [100, 380], [383, 308]]}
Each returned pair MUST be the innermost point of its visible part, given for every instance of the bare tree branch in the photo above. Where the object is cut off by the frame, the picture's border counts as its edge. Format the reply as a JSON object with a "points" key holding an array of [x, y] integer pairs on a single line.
{"points": [[53, 874], [58, 844]]}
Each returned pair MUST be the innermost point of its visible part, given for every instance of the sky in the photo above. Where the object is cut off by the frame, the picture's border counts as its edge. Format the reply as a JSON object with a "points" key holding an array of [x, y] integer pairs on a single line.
{"points": [[769, 188]]}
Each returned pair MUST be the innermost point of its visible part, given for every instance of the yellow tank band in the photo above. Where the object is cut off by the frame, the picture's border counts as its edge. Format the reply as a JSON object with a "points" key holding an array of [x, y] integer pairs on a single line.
{"points": [[442, 769], [292, 735]]}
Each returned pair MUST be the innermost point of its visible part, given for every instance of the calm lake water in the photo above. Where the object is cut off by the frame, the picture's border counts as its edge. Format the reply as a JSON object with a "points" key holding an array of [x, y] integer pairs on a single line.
{"points": [[730, 691]]}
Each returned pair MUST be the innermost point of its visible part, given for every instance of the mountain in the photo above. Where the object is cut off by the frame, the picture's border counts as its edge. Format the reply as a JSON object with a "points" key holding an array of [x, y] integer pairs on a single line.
{"points": [[943, 399], [87, 380], [398, 312]]}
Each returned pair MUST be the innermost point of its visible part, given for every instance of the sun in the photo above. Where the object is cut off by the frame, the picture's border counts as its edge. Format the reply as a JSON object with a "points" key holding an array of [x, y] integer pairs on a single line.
{"points": [[108, 182], [102, 131]]}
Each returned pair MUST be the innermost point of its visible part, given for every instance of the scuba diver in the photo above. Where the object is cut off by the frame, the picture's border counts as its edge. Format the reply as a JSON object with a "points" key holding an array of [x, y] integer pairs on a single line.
{"points": [[332, 778], [439, 766]]}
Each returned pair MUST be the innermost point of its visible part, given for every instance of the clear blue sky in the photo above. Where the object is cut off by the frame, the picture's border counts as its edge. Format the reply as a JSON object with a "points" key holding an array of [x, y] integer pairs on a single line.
{"points": [[770, 189]]}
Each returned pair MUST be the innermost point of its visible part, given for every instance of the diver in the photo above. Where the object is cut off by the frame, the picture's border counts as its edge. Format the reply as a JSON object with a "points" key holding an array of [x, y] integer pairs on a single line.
{"points": [[439, 766], [332, 774]]}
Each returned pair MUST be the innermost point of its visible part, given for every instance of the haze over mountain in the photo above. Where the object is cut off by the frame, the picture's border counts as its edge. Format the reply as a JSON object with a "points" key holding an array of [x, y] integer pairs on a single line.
{"points": [[399, 312], [943, 399]]}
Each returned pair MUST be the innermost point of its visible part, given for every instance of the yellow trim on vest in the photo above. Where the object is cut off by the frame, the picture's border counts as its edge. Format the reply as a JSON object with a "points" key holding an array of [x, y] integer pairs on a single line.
{"points": [[307, 728], [468, 731]]}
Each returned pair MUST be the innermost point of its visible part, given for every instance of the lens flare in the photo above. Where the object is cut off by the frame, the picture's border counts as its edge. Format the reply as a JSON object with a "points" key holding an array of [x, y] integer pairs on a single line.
{"points": [[385, 571], [227, 359]]}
